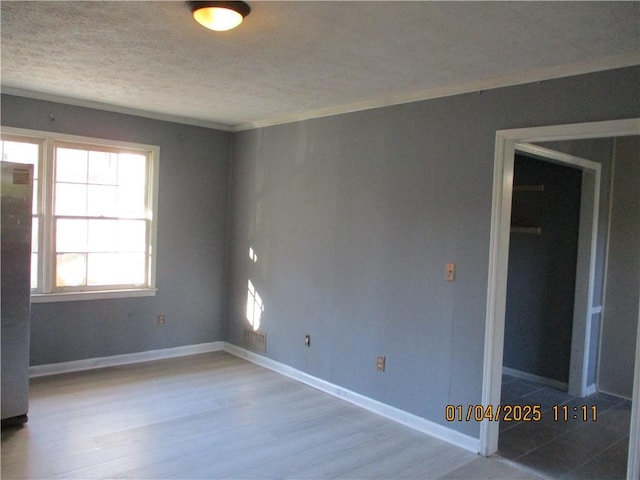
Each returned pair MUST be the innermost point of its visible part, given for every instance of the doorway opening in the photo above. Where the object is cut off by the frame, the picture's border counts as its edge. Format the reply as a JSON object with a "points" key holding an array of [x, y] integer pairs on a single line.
{"points": [[545, 236], [506, 143], [539, 320]]}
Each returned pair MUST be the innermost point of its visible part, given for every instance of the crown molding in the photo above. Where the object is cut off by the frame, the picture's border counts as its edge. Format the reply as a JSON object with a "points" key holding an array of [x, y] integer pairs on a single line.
{"points": [[519, 78], [78, 102]]}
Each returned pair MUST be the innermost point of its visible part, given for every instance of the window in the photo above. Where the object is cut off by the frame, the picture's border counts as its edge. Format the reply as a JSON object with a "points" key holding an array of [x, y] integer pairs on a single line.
{"points": [[94, 211]]}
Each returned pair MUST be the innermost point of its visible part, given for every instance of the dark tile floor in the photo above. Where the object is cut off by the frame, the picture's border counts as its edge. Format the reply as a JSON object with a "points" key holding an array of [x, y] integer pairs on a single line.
{"points": [[572, 449]]}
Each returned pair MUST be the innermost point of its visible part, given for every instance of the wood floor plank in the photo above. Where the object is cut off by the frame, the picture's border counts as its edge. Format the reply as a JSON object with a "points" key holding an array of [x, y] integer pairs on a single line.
{"points": [[210, 416]]}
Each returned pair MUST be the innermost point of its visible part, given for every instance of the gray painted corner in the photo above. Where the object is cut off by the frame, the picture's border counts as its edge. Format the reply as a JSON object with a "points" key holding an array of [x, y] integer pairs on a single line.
{"points": [[353, 218], [192, 208]]}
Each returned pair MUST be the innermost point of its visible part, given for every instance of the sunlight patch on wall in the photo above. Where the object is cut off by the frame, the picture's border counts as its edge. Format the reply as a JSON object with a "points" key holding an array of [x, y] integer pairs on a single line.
{"points": [[254, 306]]}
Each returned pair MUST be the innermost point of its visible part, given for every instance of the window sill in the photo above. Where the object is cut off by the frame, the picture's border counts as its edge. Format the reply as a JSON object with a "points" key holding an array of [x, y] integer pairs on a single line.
{"points": [[95, 295]]}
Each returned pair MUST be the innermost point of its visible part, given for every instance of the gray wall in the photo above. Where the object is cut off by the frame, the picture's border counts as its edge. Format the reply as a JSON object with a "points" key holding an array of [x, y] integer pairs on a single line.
{"points": [[620, 315], [353, 218], [542, 269], [192, 209]]}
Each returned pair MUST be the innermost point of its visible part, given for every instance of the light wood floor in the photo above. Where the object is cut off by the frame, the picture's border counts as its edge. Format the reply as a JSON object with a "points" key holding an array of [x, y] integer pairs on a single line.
{"points": [[217, 416]]}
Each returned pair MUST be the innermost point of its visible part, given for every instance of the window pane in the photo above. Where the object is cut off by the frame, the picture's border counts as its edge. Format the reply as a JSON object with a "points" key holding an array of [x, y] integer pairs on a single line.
{"points": [[21, 152], [132, 170], [71, 235], [71, 270], [34, 270], [71, 165], [34, 252], [71, 199], [101, 201], [103, 236], [103, 168], [132, 236], [131, 202], [27, 153], [114, 269], [132, 268], [34, 235], [103, 269], [34, 206]]}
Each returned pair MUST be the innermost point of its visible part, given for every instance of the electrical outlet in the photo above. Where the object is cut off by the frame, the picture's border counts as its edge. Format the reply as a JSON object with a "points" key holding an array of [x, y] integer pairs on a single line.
{"points": [[450, 272], [307, 340], [160, 319], [380, 361]]}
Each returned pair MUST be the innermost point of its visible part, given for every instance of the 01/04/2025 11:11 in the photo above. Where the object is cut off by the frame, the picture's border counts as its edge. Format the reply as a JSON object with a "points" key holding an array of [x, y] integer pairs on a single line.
{"points": [[519, 413]]}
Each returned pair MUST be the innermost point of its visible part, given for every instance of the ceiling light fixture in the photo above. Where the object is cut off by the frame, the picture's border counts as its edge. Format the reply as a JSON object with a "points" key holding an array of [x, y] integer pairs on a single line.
{"points": [[219, 16]]}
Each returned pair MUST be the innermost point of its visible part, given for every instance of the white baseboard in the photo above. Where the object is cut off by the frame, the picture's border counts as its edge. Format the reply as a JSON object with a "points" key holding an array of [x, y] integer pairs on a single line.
{"points": [[590, 390], [617, 395], [535, 378], [127, 358], [405, 418]]}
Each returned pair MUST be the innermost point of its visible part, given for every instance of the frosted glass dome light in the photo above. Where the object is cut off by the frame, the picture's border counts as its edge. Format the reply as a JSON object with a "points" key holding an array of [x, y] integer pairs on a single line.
{"points": [[219, 16]]}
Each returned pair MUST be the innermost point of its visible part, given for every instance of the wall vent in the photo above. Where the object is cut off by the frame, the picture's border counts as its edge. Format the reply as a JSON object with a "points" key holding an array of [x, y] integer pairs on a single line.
{"points": [[255, 341]]}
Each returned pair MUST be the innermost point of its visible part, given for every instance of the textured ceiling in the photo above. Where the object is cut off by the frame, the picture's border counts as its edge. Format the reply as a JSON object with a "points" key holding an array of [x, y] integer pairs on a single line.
{"points": [[292, 60]]}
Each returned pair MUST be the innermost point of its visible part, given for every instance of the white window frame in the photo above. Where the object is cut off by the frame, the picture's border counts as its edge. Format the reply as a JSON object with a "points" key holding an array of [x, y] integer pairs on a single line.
{"points": [[46, 246]]}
